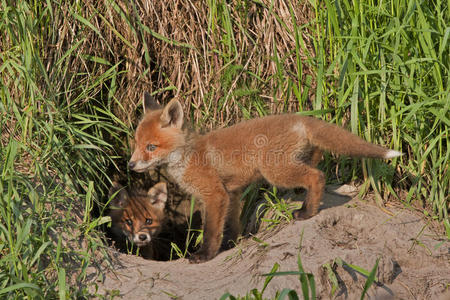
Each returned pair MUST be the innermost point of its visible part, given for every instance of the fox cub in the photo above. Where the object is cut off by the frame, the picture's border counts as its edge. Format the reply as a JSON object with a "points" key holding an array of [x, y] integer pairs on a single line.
{"points": [[138, 215], [283, 149]]}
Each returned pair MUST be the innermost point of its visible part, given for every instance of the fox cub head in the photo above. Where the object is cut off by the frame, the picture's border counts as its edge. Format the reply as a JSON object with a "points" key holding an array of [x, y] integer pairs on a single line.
{"points": [[158, 134], [138, 216]]}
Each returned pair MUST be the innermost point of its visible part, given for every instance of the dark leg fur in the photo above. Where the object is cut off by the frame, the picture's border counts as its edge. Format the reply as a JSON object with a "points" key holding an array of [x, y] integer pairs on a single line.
{"points": [[232, 225]]}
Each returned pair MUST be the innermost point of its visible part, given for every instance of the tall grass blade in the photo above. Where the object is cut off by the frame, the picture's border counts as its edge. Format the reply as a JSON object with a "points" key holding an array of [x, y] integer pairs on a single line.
{"points": [[370, 279], [62, 283]]}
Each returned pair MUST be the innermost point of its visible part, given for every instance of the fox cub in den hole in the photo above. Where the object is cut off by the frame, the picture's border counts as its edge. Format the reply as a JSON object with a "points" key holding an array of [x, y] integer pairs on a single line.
{"points": [[138, 215], [282, 149]]}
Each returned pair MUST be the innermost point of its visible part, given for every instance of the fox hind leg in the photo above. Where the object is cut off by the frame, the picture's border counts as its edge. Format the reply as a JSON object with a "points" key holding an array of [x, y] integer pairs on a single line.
{"points": [[311, 207], [315, 186], [316, 157]]}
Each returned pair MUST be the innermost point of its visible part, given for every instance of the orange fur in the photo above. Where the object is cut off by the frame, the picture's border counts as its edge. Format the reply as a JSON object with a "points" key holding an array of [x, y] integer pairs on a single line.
{"points": [[283, 149]]}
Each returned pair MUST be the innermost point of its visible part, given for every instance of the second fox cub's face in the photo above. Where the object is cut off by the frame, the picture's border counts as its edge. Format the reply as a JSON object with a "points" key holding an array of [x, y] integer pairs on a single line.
{"points": [[157, 135], [138, 216]]}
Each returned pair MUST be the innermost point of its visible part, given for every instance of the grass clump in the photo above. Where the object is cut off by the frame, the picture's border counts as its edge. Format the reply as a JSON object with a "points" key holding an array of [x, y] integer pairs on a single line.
{"points": [[387, 76], [54, 155]]}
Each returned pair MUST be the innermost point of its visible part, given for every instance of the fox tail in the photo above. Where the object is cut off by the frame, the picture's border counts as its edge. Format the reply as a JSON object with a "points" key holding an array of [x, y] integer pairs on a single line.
{"points": [[330, 137]]}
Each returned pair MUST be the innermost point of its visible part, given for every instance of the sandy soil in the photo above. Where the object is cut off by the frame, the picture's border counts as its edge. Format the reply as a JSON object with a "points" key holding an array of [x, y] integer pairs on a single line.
{"points": [[414, 259]]}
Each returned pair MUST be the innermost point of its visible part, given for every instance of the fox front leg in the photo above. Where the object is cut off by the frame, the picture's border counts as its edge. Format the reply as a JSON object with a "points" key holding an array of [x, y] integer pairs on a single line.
{"points": [[216, 207]]}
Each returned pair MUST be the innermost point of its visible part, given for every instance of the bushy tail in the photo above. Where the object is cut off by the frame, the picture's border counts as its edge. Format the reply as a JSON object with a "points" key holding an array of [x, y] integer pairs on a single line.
{"points": [[340, 141]]}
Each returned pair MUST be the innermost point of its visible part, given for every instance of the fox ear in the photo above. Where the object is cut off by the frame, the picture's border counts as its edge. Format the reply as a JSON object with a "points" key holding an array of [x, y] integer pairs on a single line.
{"points": [[118, 196], [172, 114], [150, 103], [158, 195]]}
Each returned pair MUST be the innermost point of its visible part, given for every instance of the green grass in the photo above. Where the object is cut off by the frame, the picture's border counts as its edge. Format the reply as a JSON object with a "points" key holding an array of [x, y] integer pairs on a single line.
{"points": [[190, 242], [71, 74], [389, 68], [275, 210], [54, 156]]}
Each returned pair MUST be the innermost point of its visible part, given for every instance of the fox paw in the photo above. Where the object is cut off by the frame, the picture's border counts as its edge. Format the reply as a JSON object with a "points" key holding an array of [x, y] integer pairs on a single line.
{"points": [[301, 214], [199, 257]]}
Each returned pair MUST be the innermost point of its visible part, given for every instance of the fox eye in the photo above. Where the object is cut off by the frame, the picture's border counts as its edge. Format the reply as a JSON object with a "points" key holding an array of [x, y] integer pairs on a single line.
{"points": [[151, 147], [129, 222], [148, 221]]}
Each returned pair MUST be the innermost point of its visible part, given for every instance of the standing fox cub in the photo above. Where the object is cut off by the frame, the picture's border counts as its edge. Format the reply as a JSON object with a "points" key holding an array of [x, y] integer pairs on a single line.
{"points": [[138, 216], [283, 149]]}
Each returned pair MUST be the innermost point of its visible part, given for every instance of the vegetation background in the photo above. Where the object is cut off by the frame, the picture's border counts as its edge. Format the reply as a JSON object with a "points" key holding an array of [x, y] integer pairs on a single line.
{"points": [[73, 72]]}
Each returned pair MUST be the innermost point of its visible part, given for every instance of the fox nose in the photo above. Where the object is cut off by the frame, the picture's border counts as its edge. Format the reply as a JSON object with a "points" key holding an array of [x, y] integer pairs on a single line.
{"points": [[131, 165], [142, 237]]}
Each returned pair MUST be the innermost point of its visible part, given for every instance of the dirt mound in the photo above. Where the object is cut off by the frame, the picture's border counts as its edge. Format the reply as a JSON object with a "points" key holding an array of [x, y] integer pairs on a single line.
{"points": [[413, 261]]}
